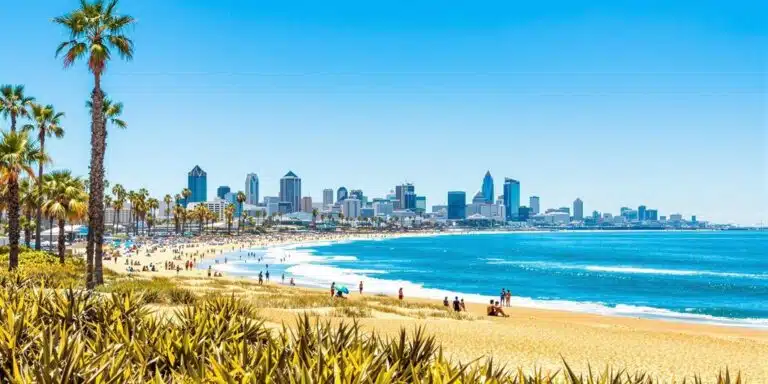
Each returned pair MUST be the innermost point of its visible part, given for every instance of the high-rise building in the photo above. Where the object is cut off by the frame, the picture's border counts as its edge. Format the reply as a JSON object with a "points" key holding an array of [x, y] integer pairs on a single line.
{"points": [[327, 197], [641, 212], [400, 194], [290, 191], [457, 205], [351, 208], [231, 198], [578, 209], [221, 191], [356, 194], [479, 198], [197, 182], [306, 204], [341, 194], [251, 189], [383, 208], [409, 199], [524, 213], [651, 215], [512, 198], [421, 204], [534, 205], [488, 187]]}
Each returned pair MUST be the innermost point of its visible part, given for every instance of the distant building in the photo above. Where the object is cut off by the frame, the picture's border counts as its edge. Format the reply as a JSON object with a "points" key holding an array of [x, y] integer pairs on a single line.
{"points": [[197, 182], [216, 206], [479, 198], [641, 211], [440, 210], [488, 187], [221, 191], [524, 213], [409, 201], [306, 204], [651, 215], [290, 190], [341, 194], [457, 205], [351, 208], [534, 205], [285, 207], [693, 219], [578, 209], [421, 204], [356, 194], [564, 210], [367, 213], [231, 198], [383, 208], [511, 198], [401, 194], [662, 218], [252, 189], [327, 197]]}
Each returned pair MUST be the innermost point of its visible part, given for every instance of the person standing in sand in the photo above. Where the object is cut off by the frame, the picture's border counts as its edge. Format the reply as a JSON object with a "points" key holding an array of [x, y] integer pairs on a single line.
{"points": [[333, 289], [361, 287], [400, 294]]}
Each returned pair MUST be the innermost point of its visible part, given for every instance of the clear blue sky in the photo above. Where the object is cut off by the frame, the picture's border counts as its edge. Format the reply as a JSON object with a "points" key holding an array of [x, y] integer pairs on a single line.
{"points": [[620, 103]]}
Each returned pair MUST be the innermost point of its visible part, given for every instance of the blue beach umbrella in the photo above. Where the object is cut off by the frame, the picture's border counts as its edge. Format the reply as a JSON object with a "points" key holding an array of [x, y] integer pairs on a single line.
{"points": [[342, 289]]}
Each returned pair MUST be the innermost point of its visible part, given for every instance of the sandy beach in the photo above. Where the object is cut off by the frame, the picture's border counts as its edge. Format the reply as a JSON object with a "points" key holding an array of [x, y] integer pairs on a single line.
{"points": [[529, 337]]}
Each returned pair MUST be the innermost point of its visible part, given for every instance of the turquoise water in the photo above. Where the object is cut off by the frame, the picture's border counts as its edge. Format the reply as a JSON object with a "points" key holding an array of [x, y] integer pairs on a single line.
{"points": [[713, 277]]}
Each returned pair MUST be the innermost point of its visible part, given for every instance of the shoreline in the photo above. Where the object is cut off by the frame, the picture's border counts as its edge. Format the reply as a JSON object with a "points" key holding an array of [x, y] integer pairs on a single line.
{"points": [[206, 251]]}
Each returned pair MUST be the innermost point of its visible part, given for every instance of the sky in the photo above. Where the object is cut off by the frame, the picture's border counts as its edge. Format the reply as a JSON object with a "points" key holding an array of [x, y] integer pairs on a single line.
{"points": [[619, 103]]}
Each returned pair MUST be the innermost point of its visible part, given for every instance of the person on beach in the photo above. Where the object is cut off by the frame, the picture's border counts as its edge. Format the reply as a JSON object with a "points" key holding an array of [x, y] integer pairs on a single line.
{"points": [[445, 302], [361, 287], [499, 310], [502, 295], [490, 310], [400, 294], [267, 275], [463, 307], [261, 278], [509, 298], [209, 271], [283, 280], [456, 304], [333, 288]]}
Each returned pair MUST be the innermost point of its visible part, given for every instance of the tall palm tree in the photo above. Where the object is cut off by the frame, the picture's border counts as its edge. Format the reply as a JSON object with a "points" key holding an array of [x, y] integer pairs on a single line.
{"points": [[152, 204], [186, 193], [119, 203], [179, 214], [229, 213], [48, 124], [240, 200], [28, 201], [17, 153], [167, 199], [315, 212], [13, 103], [67, 201], [95, 32]]}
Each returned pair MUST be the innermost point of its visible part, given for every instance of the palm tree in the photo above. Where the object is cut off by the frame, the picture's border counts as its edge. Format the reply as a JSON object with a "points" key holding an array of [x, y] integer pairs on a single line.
{"points": [[167, 200], [13, 103], [28, 201], [67, 200], [95, 32], [48, 124], [315, 211], [152, 204], [17, 153], [229, 213], [186, 193], [240, 200], [119, 203], [179, 214]]}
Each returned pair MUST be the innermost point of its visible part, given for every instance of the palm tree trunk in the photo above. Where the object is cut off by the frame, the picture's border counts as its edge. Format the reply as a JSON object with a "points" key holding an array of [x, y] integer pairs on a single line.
{"points": [[94, 272], [39, 212], [13, 122], [13, 223], [27, 229], [62, 247]]}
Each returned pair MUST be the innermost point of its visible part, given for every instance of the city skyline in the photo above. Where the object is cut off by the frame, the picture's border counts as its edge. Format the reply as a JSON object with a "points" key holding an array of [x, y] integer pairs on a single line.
{"points": [[675, 123]]}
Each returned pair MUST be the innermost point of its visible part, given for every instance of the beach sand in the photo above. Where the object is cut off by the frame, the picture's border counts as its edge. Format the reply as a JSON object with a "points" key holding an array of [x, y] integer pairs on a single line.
{"points": [[540, 338]]}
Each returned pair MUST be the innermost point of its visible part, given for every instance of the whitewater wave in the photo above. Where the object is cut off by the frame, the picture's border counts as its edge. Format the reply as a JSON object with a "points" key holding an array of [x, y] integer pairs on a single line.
{"points": [[625, 269]]}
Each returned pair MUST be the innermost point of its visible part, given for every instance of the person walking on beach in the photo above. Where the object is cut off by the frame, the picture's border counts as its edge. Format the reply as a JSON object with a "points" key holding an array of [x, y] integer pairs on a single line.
{"points": [[400, 294], [445, 302], [361, 287], [333, 289], [509, 298], [502, 295], [463, 307], [456, 304], [267, 275], [283, 279]]}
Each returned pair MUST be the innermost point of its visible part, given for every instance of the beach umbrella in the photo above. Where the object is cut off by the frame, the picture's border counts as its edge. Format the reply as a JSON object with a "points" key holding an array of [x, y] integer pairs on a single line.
{"points": [[343, 289]]}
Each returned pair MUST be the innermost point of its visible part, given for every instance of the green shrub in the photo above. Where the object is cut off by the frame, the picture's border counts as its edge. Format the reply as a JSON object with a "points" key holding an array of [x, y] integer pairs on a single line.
{"points": [[181, 296]]}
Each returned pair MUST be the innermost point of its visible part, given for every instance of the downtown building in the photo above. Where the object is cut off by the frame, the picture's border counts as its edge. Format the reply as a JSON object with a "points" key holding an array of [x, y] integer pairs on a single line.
{"points": [[290, 193], [511, 199], [457, 205], [197, 182], [327, 197], [252, 189]]}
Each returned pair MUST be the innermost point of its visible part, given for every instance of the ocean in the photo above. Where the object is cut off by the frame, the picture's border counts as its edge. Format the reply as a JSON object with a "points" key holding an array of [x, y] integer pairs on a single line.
{"points": [[708, 277]]}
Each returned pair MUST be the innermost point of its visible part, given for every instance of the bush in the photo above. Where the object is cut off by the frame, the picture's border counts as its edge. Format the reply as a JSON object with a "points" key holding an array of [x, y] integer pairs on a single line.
{"points": [[53, 336], [181, 296], [46, 269]]}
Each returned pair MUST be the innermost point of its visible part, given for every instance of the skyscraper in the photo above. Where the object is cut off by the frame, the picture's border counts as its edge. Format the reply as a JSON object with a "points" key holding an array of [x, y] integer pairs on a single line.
{"points": [[197, 182], [306, 204], [341, 194], [351, 208], [488, 187], [457, 205], [356, 194], [578, 209], [402, 200], [290, 191], [222, 191], [327, 197], [641, 212], [511, 198], [251, 189], [534, 205]]}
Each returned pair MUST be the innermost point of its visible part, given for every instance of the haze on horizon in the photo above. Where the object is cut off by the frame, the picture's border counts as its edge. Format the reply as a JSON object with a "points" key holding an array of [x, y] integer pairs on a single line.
{"points": [[618, 104]]}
